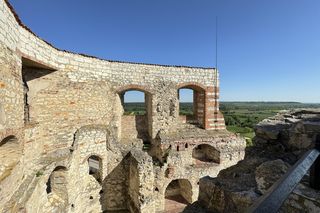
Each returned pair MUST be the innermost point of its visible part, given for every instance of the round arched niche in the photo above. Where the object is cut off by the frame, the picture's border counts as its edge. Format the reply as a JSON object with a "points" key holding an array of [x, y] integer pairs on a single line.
{"points": [[10, 154], [56, 185], [205, 153], [178, 192]]}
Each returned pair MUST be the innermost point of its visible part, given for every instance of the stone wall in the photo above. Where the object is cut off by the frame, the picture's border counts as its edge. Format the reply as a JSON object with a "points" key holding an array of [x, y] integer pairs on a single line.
{"points": [[64, 108], [134, 126], [280, 141]]}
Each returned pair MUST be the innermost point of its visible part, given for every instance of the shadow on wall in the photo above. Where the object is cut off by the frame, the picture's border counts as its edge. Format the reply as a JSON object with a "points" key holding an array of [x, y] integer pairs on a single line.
{"points": [[142, 127], [114, 193], [136, 120], [134, 126], [32, 70]]}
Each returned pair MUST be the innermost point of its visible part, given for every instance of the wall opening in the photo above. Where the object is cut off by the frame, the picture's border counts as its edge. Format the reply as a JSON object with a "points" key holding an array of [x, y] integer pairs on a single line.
{"points": [[95, 167], [133, 102], [136, 118], [116, 186], [191, 105], [33, 81], [178, 195], [205, 153], [57, 185], [10, 154], [9, 141]]}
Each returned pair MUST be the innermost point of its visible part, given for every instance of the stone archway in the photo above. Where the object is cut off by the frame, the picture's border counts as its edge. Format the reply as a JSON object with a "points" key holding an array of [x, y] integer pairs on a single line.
{"points": [[204, 154], [193, 112], [178, 195], [10, 154], [56, 188], [136, 124], [95, 167]]}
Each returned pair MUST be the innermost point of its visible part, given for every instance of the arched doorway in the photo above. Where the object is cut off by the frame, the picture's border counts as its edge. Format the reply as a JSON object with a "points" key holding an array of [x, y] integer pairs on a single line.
{"points": [[95, 167], [56, 186], [136, 121], [10, 153], [191, 104], [205, 153], [178, 195]]}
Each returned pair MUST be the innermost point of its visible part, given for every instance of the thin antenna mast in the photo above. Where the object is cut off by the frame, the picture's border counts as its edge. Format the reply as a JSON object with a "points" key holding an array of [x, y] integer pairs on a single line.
{"points": [[216, 42], [216, 74]]}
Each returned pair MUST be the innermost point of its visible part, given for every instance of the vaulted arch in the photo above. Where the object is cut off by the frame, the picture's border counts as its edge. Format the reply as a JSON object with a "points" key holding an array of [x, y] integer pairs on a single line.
{"points": [[136, 121], [192, 103], [205, 153], [57, 185], [137, 87], [192, 85], [95, 167], [178, 194]]}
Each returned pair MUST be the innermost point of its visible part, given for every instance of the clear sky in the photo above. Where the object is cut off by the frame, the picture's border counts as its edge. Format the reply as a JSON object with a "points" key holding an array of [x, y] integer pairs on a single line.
{"points": [[268, 50]]}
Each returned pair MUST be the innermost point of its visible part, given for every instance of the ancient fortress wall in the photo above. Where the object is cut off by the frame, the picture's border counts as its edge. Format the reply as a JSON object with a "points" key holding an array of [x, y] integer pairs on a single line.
{"points": [[77, 79], [58, 109]]}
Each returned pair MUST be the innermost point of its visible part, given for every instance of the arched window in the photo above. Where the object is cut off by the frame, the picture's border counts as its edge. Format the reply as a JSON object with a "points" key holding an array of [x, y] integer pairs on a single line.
{"points": [[178, 194], [205, 153], [133, 102], [57, 183], [95, 167], [137, 111], [191, 104]]}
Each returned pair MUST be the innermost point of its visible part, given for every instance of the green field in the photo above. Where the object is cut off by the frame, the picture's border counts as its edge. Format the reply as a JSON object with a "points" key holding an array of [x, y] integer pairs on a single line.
{"points": [[240, 117], [134, 108]]}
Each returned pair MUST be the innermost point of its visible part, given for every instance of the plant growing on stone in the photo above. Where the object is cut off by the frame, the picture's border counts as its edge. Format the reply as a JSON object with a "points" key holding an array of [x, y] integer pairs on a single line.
{"points": [[39, 173]]}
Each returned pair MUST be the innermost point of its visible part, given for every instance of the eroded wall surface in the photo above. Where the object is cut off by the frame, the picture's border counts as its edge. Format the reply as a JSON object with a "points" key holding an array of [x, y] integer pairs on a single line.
{"points": [[64, 108]]}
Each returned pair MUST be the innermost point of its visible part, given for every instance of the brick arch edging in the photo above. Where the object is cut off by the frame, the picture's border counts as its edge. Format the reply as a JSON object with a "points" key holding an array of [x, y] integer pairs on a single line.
{"points": [[198, 88], [192, 85], [138, 87]]}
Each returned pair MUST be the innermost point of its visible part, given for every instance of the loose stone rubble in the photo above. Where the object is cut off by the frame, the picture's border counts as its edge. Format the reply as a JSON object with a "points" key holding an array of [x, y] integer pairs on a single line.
{"points": [[280, 141], [65, 145]]}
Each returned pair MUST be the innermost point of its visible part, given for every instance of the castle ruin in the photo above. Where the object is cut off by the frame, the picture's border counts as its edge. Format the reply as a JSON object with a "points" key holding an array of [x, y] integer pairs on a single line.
{"points": [[67, 146]]}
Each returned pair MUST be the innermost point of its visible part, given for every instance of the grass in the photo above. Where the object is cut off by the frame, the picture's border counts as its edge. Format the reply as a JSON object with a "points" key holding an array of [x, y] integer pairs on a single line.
{"points": [[39, 173]]}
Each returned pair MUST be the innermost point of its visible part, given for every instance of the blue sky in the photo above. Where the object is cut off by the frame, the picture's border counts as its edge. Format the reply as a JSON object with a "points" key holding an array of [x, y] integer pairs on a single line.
{"points": [[268, 50]]}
